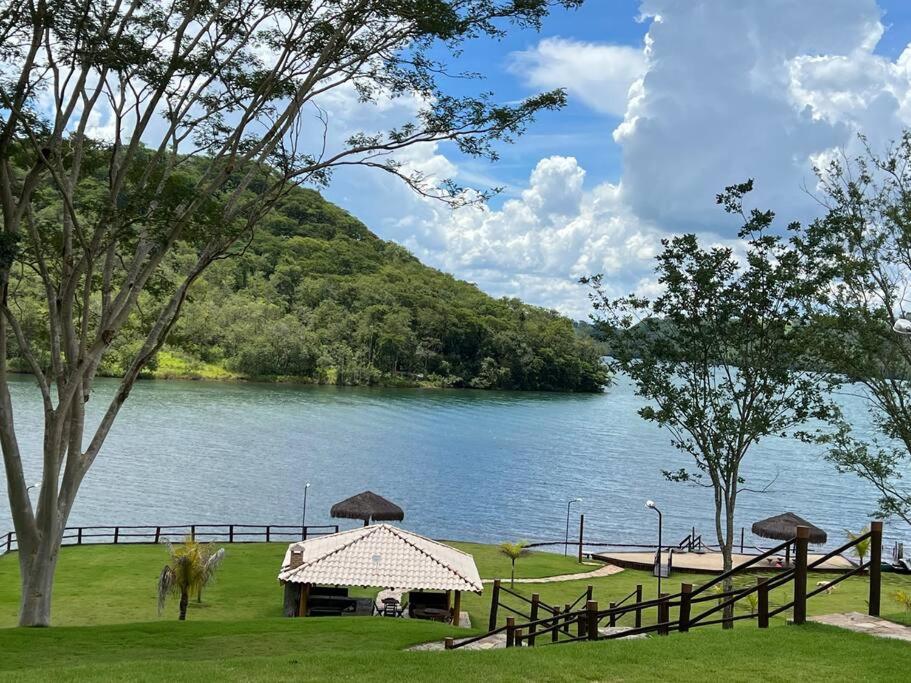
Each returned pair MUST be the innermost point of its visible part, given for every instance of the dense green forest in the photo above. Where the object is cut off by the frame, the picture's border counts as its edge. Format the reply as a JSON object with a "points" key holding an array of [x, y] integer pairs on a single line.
{"points": [[315, 296]]}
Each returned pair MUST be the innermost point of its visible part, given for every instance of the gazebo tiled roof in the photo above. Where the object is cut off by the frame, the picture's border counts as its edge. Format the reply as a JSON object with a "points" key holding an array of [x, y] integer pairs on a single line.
{"points": [[381, 556]]}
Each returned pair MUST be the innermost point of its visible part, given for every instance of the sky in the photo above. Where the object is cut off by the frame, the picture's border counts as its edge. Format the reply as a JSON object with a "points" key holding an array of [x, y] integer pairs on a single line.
{"points": [[669, 102]]}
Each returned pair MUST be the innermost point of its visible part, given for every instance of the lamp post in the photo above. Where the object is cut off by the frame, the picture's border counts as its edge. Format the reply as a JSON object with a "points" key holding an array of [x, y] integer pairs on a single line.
{"points": [[651, 504], [566, 538], [304, 513]]}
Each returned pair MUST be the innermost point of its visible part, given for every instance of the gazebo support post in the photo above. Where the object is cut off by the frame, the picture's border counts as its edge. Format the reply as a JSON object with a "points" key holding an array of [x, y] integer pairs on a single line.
{"points": [[305, 596], [457, 609]]}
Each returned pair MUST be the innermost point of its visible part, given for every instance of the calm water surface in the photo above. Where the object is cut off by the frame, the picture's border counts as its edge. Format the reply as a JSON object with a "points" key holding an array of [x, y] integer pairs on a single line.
{"points": [[474, 465]]}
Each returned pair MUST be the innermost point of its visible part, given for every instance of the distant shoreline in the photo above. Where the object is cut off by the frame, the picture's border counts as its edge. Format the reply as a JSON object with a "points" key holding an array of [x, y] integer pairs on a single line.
{"points": [[229, 378]]}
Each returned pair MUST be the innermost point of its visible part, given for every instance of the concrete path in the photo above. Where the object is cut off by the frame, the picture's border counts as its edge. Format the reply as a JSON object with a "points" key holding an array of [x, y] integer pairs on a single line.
{"points": [[863, 623], [605, 570], [498, 641]]}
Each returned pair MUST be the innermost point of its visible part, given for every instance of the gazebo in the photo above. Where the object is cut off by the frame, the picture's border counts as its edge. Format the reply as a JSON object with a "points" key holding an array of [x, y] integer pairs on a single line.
{"points": [[377, 556], [783, 527], [369, 507]]}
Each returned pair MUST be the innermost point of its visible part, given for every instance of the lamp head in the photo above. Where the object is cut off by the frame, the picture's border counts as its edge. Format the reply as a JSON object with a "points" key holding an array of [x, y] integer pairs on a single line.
{"points": [[650, 504], [307, 485], [902, 326], [577, 500]]}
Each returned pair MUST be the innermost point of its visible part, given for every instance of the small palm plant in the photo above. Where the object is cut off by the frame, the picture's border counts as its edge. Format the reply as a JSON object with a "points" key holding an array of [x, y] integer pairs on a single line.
{"points": [[861, 548], [514, 551], [191, 567], [903, 598]]}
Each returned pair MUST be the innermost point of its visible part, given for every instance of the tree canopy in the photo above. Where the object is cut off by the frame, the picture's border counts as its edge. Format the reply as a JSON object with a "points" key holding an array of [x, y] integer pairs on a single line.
{"points": [[718, 353]]}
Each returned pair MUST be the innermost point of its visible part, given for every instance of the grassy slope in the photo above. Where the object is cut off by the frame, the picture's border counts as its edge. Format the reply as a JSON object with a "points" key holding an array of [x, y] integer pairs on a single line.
{"points": [[369, 649], [236, 632]]}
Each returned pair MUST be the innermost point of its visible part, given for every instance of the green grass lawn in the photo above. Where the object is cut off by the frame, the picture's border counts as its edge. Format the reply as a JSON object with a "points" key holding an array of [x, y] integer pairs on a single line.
{"points": [[107, 628], [117, 584], [371, 650]]}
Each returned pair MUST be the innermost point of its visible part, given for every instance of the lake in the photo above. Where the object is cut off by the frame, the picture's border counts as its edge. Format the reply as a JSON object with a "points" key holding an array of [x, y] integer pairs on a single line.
{"points": [[477, 465]]}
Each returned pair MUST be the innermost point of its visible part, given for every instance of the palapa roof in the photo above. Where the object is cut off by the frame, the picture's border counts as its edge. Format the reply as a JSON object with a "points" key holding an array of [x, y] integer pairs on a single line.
{"points": [[381, 556], [368, 506], [783, 527]]}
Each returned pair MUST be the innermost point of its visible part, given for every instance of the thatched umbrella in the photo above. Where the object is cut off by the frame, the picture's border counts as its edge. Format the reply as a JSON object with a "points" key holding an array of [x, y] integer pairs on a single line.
{"points": [[783, 527], [369, 507]]}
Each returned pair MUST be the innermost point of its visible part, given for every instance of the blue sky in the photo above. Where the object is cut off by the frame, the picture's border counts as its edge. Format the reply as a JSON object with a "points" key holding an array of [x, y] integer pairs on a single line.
{"points": [[670, 100]]}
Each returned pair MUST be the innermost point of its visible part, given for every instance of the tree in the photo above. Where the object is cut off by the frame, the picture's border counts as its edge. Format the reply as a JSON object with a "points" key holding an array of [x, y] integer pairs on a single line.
{"points": [[514, 551], [861, 548], [210, 114], [718, 353], [862, 242], [191, 568]]}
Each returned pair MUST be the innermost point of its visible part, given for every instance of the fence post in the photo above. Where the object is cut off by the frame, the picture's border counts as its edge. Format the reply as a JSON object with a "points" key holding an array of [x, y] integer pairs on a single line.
{"points": [[193, 532], [686, 590], [304, 532], [230, 533], [268, 533], [589, 592], [494, 603], [157, 534], [612, 620], [448, 643], [638, 609], [741, 540], [535, 599], [663, 614], [581, 529], [876, 558], [591, 619], [555, 634], [800, 576], [762, 606], [116, 534], [78, 537], [510, 631]]}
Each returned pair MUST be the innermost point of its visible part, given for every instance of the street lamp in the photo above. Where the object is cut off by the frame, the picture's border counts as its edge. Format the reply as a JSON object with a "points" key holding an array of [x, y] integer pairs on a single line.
{"points": [[566, 538], [651, 504], [304, 513]]}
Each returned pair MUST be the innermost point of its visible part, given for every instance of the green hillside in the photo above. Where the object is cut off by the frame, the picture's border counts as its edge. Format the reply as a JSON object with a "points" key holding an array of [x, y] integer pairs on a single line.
{"points": [[317, 297]]}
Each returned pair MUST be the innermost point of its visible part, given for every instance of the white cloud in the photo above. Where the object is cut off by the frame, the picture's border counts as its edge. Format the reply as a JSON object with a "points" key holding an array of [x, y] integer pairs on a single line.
{"points": [[599, 75], [538, 244]]}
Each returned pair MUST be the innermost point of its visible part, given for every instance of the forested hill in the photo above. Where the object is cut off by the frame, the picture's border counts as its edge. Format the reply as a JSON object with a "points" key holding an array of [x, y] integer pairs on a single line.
{"points": [[317, 296]]}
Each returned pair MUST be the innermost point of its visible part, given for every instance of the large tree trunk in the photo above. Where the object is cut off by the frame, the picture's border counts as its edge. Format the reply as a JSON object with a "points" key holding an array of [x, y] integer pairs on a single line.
{"points": [[37, 583]]}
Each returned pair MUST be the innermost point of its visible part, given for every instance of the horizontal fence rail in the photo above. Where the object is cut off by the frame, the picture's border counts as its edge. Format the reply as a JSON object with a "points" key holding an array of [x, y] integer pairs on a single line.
{"points": [[151, 534]]}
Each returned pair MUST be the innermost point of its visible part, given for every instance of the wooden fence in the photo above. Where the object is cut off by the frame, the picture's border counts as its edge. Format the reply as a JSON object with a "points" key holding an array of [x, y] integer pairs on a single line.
{"points": [[216, 533], [584, 624]]}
